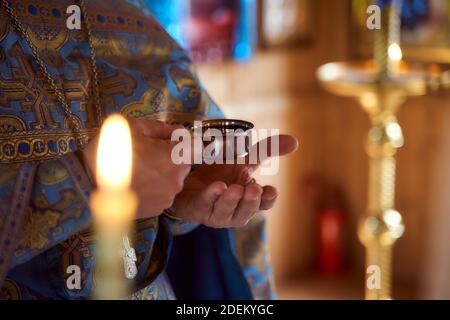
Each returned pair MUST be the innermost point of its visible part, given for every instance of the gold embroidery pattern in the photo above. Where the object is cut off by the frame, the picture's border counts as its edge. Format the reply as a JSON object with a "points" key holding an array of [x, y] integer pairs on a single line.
{"points": [[36, 229], [10, 291]]}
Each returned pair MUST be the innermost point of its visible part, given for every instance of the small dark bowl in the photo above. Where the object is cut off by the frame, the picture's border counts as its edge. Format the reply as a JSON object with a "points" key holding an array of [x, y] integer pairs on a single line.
{"points": [[230, 138]]}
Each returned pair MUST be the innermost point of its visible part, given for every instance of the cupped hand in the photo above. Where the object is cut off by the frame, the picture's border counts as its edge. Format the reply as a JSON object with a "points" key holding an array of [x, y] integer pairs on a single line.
{"points": [[226, 195]]}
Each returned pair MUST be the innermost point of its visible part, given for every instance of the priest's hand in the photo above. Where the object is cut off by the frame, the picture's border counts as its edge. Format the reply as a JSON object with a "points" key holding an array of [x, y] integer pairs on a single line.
{"points": [[156, 179], [226, 195]]}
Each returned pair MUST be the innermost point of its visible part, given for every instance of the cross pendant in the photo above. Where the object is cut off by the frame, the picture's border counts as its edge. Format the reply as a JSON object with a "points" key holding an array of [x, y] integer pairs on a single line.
{"points": [[129, 259]]}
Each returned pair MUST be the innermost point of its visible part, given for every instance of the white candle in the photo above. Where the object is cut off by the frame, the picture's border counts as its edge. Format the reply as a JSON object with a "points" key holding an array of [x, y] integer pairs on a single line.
{"points": [[113, 206]]}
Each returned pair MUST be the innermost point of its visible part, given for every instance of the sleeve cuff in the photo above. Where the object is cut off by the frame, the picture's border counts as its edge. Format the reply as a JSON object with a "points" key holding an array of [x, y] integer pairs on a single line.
{"points": [[177, 225]]}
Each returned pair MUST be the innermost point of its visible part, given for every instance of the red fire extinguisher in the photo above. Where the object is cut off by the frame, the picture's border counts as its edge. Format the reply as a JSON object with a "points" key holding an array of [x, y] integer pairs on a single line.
{"points": [[331, 234]]}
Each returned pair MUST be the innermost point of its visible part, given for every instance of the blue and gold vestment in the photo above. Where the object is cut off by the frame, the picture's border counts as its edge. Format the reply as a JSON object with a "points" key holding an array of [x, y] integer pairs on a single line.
{"points": [[44, 189]]}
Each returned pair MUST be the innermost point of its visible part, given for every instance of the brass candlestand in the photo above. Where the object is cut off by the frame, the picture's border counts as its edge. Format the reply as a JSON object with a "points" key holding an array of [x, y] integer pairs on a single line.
{"points": [[381, 86], [381, 100]]}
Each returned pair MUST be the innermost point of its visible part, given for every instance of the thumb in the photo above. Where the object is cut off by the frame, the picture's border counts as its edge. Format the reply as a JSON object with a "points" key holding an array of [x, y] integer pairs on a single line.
{"points": [[274, 146]]}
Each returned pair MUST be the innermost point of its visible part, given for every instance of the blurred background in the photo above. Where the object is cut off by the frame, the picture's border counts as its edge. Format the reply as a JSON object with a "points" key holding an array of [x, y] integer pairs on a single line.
{"points": [[258, 60]]}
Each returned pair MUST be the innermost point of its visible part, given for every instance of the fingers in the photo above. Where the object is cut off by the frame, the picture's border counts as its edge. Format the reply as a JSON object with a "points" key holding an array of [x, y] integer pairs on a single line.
{"points": [[225, 206], [208, 197], [237, 205], [153, 128], [249, 204], [268, 198]]}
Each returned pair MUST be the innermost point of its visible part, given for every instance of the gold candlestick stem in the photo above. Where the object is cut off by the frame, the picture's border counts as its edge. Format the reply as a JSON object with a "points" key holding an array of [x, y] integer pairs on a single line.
{"points": [[382, 225], [381, 98], [388, 34]]}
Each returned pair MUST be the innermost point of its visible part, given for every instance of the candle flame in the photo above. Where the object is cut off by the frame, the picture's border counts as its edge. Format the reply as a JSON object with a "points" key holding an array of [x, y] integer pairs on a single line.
{"points": [[395, 52], [114, 154]]}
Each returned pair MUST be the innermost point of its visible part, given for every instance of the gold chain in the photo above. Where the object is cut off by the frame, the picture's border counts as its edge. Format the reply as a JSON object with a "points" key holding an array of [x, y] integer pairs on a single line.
{"points": [[59, 92], [95, 86]]}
